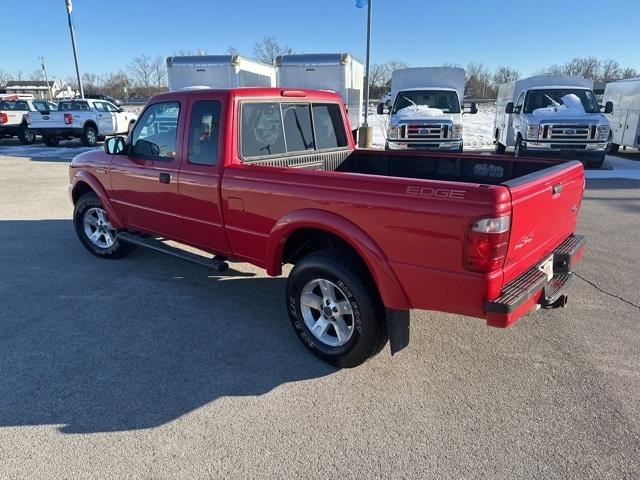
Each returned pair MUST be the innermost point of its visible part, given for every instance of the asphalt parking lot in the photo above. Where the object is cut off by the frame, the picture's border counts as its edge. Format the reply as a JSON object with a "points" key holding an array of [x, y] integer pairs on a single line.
{"points": [[148, 367]]}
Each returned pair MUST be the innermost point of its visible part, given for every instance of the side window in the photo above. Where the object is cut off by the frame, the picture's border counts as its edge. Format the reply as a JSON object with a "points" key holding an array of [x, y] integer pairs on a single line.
{"points": [[99, 106], [329, 127], [519, 103], [203, 132], [298, 134], [156, 131], [261, 130], [109, 107]]}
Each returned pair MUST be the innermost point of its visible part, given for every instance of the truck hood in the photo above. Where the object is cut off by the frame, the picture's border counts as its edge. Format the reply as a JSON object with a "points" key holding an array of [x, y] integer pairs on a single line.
{"points": [[567, 117]]}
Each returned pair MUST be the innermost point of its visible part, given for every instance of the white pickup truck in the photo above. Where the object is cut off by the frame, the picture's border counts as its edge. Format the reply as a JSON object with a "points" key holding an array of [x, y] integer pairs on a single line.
{"points": [[89, 120], [14, 111]]}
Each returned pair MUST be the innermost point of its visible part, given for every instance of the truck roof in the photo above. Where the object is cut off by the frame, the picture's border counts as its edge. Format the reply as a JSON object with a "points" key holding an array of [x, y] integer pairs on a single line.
{"points": [[294, 95], [315, 59]]}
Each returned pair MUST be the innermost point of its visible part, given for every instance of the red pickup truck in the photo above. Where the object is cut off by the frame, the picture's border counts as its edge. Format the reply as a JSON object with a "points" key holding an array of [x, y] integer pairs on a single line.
{"points": [[271, 177]]}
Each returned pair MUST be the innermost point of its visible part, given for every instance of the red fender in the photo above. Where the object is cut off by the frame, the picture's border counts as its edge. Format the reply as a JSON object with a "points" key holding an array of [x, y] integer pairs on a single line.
{"points": [[96, 186], [391, 291]]}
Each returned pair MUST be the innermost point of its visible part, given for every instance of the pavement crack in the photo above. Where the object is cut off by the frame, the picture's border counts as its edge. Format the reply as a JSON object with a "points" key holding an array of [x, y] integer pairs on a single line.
{"points": [[605, 292]]}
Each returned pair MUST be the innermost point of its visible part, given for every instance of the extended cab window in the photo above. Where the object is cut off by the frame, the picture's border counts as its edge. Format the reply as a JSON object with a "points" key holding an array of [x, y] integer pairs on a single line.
{"points": [[261, 130], [156, 131], [203, 132], [330, 132]]}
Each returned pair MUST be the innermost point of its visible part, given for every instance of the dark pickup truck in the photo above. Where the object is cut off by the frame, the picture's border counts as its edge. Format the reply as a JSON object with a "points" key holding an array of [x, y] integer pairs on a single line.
{"points": [[271, 177]]}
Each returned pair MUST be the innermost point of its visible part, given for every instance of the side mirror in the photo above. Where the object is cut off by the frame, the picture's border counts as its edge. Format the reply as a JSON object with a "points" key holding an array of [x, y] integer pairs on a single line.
{"points": [[509, 108], [608, 107], [380, 109], [473, 109], [114, 146], [120, 110]]}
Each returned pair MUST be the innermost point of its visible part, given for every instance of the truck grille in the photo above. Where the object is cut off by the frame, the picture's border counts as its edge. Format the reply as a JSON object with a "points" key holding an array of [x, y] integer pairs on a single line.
{"points": [[569, 132], [425, 131]]}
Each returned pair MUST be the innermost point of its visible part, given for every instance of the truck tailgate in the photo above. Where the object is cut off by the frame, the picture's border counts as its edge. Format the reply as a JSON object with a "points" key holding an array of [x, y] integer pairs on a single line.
{"points": [[545, 208]]}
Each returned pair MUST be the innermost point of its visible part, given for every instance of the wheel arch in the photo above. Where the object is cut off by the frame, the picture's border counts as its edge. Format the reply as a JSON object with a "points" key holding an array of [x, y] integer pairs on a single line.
{"points": [[83, 183], [320, 226], [90, 123]]}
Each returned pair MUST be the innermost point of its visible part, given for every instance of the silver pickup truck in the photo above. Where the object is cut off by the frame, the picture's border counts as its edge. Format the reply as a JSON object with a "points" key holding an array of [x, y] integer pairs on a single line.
{"points": [[90, 120]]}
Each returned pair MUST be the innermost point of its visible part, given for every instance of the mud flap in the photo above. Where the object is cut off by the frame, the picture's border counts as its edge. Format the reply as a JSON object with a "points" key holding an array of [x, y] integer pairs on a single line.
{"points": [[398, 329]]}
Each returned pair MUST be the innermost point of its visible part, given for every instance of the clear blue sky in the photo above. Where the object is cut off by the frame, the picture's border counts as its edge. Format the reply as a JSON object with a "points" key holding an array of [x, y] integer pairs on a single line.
{"points": [[523, 35]]}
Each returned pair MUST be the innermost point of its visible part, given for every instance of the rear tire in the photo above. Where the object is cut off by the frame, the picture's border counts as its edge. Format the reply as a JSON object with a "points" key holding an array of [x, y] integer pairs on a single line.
{"points": [[94, 229], [335, 309], [90, 136], [26, 137], [51, 141]]}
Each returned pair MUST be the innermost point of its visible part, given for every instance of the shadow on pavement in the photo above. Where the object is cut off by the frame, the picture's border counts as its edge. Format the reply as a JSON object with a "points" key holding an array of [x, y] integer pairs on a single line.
{"points": [[95, 345]]}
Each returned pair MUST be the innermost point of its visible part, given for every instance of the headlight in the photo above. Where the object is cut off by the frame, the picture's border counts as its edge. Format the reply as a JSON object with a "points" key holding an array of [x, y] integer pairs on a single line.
{"points": [[392, 132], [457, 132], [604, 133], [532, 132]]}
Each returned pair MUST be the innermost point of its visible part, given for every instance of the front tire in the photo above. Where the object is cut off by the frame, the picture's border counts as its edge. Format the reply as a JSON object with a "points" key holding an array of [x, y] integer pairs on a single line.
{"points": [[90, 136], [95, 230], [519, 150], [597, 162], [335, 309], [612, 148]]}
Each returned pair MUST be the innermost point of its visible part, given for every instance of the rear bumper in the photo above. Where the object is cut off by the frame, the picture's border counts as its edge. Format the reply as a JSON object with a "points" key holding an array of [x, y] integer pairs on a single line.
{"points": [[58, 132], [533, 290], [10, 130]]}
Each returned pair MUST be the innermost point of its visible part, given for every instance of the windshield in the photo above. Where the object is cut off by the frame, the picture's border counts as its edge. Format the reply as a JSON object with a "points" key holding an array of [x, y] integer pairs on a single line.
{"points": [[445, 100], [546, 97]]}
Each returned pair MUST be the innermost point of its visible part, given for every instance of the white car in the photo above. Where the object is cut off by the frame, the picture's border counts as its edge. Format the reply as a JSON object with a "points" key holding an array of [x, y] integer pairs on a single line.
{"points": [[88, 119], [14, 111]]}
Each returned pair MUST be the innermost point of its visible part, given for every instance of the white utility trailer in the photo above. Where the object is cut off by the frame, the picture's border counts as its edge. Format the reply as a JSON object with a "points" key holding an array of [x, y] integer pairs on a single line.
{"points": [[218, 71], [625, 118], [339, 72]]}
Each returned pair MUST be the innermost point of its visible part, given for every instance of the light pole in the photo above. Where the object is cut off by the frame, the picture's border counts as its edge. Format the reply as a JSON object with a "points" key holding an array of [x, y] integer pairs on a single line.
{"points": [[46, 77], [366, 132], [73, 44]]}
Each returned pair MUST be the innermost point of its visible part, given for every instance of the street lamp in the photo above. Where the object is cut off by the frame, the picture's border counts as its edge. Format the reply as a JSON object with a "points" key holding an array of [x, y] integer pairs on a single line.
{"points": [[73, 44]]}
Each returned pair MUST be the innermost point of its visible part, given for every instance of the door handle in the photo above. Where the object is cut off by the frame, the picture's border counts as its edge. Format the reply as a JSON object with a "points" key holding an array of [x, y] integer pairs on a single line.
{"points": [[164, 178]]}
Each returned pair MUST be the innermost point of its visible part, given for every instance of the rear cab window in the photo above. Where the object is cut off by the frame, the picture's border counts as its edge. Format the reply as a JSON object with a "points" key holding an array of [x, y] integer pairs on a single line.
{"points": [[272, 128], [74, 106], [17, 105]]}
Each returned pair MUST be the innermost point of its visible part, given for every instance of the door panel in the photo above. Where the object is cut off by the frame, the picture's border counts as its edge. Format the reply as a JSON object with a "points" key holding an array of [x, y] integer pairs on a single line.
{"points": [[106, 121], [144, 184], [199, 178], [630, 129]]}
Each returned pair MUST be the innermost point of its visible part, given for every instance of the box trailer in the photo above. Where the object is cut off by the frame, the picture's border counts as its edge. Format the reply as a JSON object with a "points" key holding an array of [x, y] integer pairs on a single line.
{"points": [[339, 72], [625, 118], [218, 71]]}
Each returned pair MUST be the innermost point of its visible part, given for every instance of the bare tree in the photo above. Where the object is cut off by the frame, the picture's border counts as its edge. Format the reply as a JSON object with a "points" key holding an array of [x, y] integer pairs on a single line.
{"points": [[36, 74], [90, 82], [142, 73], [380, 77], [478, 81], [504, 75], [267, 49], [628, 72], [610, 70], [4, 77], [19, 75], [233, 50], [159, 72], [114, 84]]}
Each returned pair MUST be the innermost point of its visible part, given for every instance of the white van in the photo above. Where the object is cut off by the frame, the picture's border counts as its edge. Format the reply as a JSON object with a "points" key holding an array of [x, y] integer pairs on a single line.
{"points": [[625, 118], [426, 109], [218, 71], [338, 72], [551, 115]]}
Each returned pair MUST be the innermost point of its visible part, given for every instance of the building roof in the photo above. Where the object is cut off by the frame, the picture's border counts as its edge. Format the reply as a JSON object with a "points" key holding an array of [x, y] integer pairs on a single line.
{"points": [[29, 83]]}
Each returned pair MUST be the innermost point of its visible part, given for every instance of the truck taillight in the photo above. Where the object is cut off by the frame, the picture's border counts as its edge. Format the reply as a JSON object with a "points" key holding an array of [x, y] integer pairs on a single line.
{"points": [[3, 118], [68, 118], [486, 244]]}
